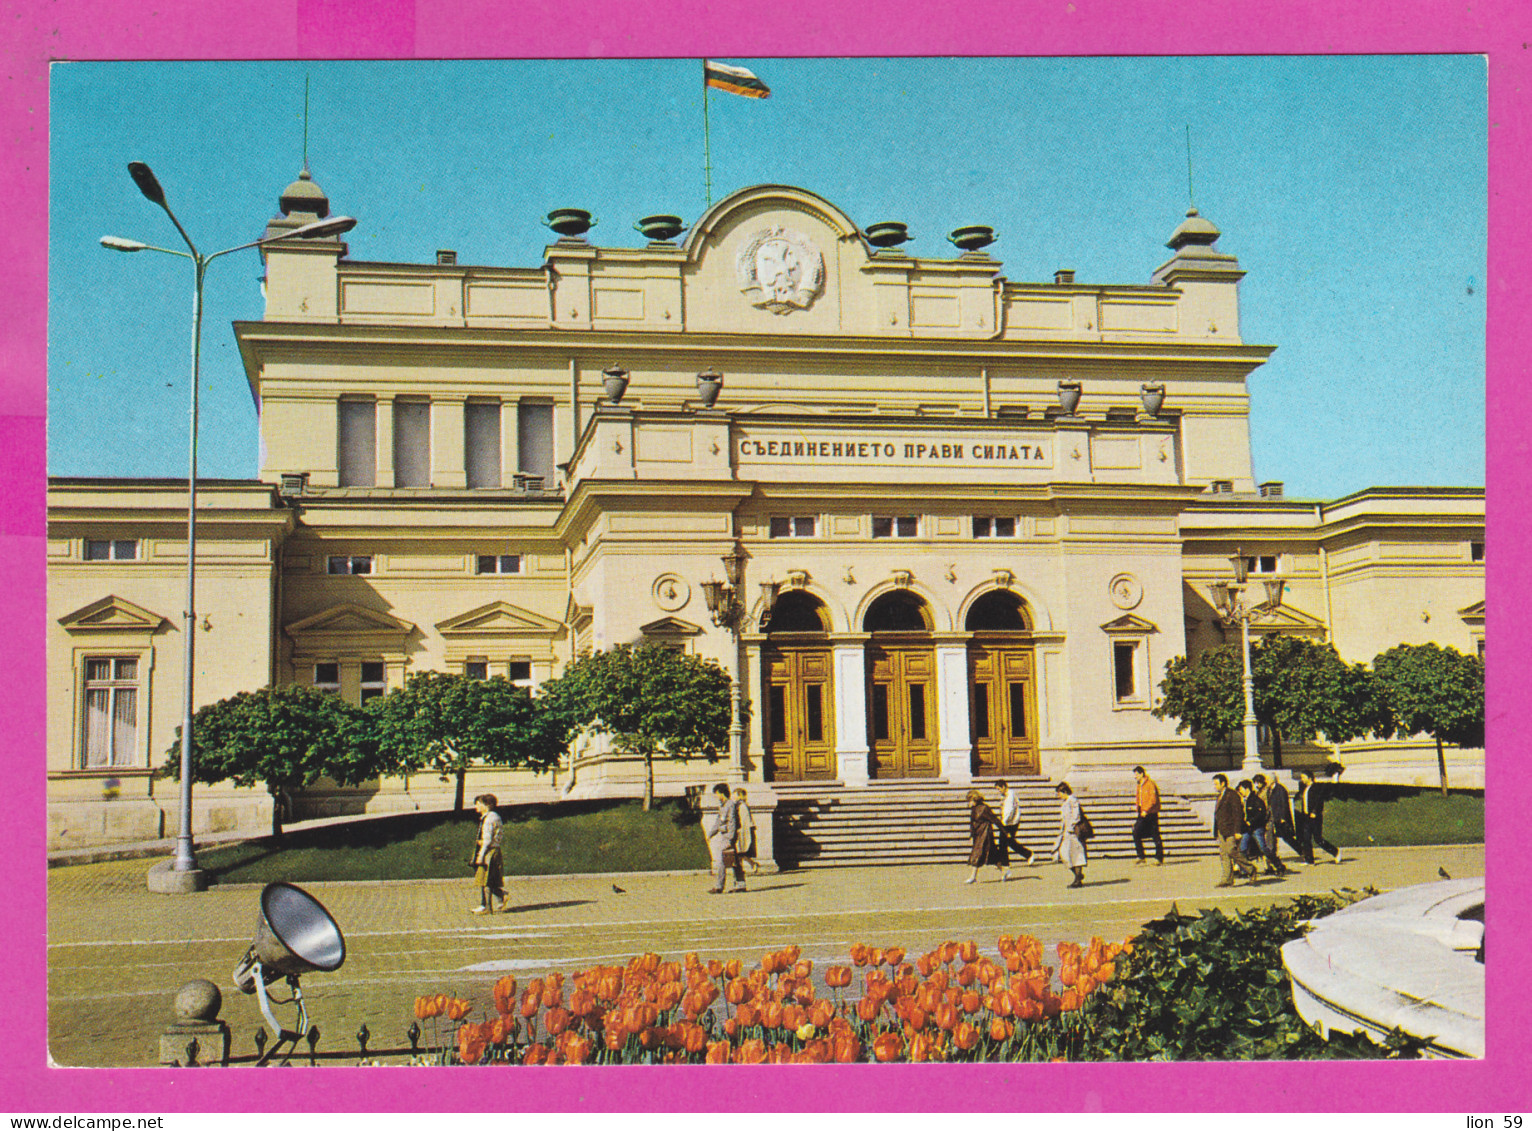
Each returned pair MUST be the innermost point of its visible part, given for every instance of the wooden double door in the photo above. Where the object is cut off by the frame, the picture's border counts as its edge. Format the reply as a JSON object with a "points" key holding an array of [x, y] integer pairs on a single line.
{"points": [[800, 714], [1002, 709], [901, 712]]}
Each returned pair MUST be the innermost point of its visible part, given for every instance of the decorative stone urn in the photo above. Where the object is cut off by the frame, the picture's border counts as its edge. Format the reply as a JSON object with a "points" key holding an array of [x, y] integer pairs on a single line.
{"points": [[974, 237], [571, 223], [1153, 396], [614, 382], [886, 234], [709, 385], [1069, 396], [660, 228]]}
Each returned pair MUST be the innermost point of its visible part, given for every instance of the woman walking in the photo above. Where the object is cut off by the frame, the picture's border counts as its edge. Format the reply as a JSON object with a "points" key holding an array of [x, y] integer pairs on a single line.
{"points": [[981, 826], [1070, 847]]}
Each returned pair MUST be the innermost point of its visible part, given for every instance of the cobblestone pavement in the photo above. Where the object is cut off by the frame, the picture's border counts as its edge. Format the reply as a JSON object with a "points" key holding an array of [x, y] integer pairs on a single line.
{"points": [[117, 953]]}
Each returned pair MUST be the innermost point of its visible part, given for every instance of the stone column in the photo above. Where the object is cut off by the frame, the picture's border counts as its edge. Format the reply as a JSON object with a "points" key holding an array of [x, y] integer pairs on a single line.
{"points": [[954, 737], [851, 750]]}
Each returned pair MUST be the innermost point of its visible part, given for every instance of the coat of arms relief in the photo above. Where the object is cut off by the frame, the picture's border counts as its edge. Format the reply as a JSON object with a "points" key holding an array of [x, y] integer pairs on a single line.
{"points": [[781, 270]]}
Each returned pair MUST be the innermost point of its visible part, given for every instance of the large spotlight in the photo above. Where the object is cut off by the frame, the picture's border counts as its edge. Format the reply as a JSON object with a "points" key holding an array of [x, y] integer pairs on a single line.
{"points": [[294, 935]]}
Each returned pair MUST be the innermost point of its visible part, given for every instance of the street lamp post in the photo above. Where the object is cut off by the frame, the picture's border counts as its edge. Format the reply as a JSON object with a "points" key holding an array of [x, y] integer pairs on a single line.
{"points": [[184, 875], [726, 606], [1230, 599]]}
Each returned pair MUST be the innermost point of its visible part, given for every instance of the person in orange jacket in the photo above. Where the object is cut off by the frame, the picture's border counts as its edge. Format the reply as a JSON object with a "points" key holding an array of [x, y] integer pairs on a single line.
{"points": [[1148, 824]]}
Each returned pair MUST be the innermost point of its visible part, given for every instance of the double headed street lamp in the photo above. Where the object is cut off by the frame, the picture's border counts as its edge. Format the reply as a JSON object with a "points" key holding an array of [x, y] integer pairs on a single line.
{"points": [[727, 608], [1233, 605], [184, 875]]}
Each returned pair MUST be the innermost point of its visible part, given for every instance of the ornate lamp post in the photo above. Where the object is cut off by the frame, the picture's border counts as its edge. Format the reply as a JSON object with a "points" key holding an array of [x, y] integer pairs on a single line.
{"points": [[1233, 607], [728, 611], [185, 875]]}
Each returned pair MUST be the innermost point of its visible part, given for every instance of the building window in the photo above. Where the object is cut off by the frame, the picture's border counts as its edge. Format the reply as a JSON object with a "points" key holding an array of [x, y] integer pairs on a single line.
{"points": [[372, 679], [476, 669], [114, 550], [352, 563], [996, 527], [1261, 563], [327, 677], [499, 563], [1125, 670], [412, 443], [802, 527], [111, 711], [1476, 551], [534, 439], [357, 424], [481, 443], [521, 673], [903, 526]]}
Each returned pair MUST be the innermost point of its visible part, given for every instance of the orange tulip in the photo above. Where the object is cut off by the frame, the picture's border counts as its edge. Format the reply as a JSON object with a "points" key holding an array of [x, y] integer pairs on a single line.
{"points": [[556, 1021], [893, 955], [1107, 972], [965, 1036], [803, 993], [731, 968], [752, 1051], [457, 1009], [803, 968], [926, 963], [887, 1046], [869, 1007], [875, 956], [969, 951], [530, 1003], [535, 1054], [793, 1016], [736, 991], [1085, 985], [970, 1002], [821, 1012], [423, 1008], [578, 1050], [837, 977], [747, 1015], [916, 1018], [1069, 1001], [946, 1016], [999, 1029], [923, 1047], [968, 974], [816, 1051], [470, 1044], [718, 1052], [845, 1048], [695, 1038], [859, 954], [771, 1014]]}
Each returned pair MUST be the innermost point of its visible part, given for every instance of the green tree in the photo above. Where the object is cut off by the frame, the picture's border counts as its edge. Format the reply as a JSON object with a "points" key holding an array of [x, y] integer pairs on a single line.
{"points": [[653, 701], [1427, 689], [287, 737], [1302, 691], [447, 723]]}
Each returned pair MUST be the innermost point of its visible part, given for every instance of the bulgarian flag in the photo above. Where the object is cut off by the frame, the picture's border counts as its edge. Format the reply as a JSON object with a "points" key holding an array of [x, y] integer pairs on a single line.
{"points": [[735, 80]]}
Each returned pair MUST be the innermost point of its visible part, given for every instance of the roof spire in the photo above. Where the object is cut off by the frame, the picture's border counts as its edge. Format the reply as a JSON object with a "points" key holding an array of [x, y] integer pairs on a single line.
{"points": [[306, 124], [1191, 199]]}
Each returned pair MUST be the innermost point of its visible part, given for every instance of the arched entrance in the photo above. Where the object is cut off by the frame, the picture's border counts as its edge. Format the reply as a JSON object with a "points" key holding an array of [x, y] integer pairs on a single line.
{"points": [[1002, 686], [901, 688], [799, 725]]}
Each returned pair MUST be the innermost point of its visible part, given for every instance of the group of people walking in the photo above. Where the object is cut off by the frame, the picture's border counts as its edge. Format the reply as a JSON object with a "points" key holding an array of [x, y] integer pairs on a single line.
{"points": [[1251, 818], [994, 839], [730, 838]]}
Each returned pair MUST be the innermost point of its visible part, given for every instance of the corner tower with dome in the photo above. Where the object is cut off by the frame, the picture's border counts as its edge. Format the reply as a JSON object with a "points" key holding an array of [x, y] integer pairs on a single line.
{"points": [[968, 518]]}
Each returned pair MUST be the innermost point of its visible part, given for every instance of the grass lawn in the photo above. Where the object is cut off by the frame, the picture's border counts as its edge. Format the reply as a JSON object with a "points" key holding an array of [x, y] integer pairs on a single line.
{"points": [[1371, 815], [580, 836]]}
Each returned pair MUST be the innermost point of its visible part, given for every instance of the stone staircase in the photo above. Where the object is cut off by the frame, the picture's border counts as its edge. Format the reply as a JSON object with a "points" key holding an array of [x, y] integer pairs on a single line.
{"points": [[823, 824]]}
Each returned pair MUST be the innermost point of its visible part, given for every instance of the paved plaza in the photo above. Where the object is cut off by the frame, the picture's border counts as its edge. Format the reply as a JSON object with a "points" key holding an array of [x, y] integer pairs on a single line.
{"points": [[117, 953]]}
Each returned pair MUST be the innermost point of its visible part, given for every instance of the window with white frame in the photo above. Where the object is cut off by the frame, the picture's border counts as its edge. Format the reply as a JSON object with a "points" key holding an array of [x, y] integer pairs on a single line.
{"points": [[803, 526], [520, 672], [327, 676], [1262, 563], [111, 711], [1125, 670], [111, 549], [373, 683], [898, 526], [357, 442], [994, 526], [350, 563], [499, 563]]}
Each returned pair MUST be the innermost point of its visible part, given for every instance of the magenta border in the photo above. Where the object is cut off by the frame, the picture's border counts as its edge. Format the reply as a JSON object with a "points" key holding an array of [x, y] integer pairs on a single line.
{"points": [[38, 31]]}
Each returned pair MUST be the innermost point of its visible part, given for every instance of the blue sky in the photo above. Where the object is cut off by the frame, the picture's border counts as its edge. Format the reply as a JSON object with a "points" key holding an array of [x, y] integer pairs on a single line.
{"points": [[1352, 188]]}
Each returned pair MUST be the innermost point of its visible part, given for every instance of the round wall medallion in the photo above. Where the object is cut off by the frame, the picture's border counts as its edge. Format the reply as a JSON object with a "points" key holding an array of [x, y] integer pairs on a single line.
{"points": [[1127, 591], [671, 592]]}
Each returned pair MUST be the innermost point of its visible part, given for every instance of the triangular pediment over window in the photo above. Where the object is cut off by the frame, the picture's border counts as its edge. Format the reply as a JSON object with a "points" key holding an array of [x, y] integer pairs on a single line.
{"points": [[1286, 619], [1133, 625], [350, 625], [112, 614], [498, 619], [1474, 613], [670, 626]]}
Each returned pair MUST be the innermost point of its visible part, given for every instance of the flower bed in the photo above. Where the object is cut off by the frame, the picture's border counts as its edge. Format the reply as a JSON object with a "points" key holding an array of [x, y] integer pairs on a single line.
{"points": [[952, 1004]]}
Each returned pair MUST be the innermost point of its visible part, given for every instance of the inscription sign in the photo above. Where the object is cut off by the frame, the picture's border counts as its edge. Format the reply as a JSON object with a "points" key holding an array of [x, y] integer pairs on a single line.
{"points": [[901, 452]]}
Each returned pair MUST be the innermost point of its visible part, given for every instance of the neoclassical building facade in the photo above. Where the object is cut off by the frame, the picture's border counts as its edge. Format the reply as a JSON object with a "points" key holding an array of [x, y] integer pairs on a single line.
{"points": [[967, 520]]}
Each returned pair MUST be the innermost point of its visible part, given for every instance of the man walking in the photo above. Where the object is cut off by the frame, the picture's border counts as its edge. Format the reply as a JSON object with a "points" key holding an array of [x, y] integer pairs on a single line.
{"points": [[1010, 821], [1279, 817], [1261, 795], [1228, 818], [721, 830], [1309, 819], [1148, 823]]}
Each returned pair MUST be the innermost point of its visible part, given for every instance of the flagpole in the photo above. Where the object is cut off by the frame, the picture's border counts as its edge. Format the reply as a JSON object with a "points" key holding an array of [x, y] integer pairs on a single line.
{"points": [[707, 153]]}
